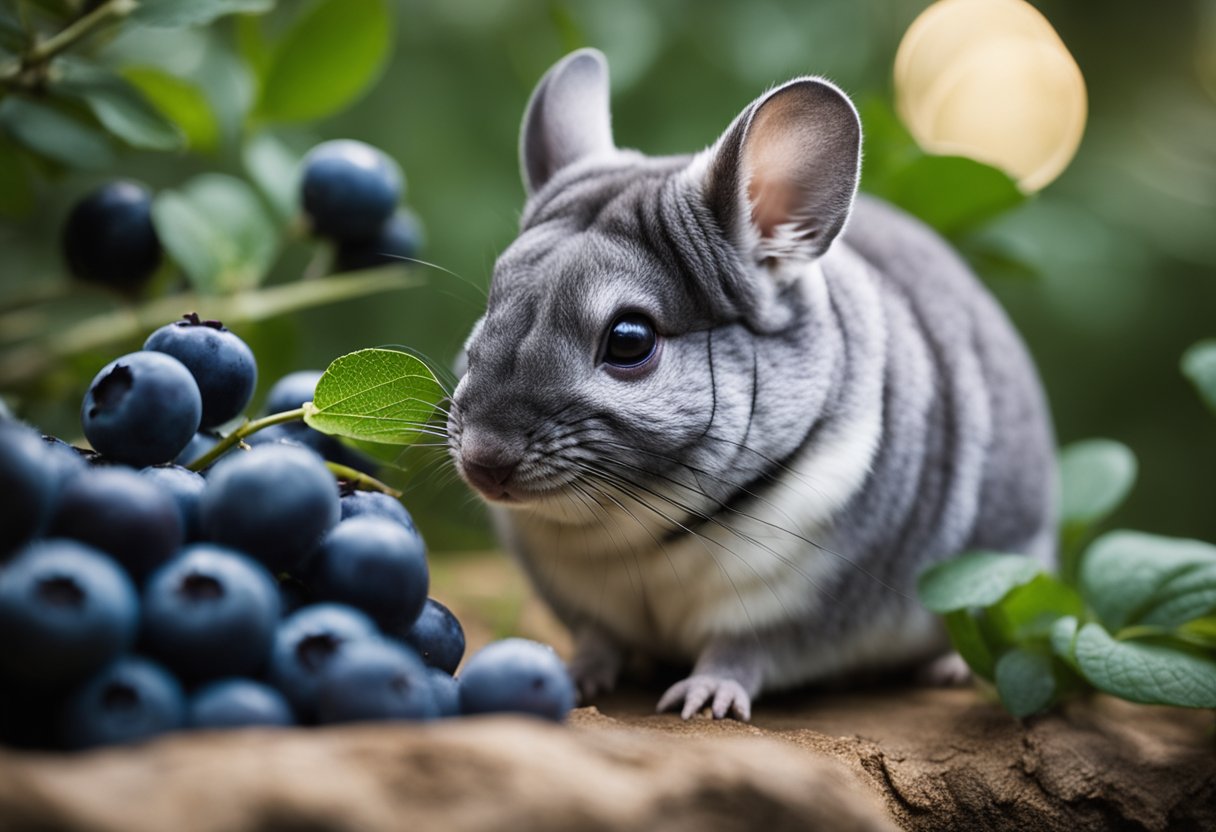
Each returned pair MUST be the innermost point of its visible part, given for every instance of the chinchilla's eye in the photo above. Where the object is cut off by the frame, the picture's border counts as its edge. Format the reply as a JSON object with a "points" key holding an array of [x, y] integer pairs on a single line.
{"points": [[631, 341]]}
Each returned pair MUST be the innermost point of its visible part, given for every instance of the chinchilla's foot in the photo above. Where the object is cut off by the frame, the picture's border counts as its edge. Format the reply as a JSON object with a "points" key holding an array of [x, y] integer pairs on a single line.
{"points": [[724, 697], [595, 667], [948, 671]]}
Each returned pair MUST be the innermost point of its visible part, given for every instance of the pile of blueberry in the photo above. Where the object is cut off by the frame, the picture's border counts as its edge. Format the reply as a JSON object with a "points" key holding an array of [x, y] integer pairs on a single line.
{"points": [[138, 596], [349, 193]]}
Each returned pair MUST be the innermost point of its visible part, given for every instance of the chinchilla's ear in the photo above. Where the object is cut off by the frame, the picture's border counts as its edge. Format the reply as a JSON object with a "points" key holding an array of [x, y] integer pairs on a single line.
{"points": [[568, 117], [781, 180]]}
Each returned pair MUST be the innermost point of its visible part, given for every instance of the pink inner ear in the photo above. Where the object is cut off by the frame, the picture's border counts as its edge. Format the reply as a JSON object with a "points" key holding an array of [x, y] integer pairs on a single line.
{"points": [[778, 156]]}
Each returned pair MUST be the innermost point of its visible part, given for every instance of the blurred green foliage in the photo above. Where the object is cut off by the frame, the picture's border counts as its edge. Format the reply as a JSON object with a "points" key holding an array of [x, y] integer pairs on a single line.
{"points": [[1110, 273]]}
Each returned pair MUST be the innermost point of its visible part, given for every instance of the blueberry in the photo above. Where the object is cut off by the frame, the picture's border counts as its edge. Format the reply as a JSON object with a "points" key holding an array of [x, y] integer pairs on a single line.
{"points": [[109, 238], [65, 611], [130, 700], [348, 188], [186, 489], [221, 363], [516, 675], [142, 409], [275, 502], [376, 504], [306, 641], [211, 612], [199, 444], [237, 703], [27, 491], [293, 594], [121, 513], [291, 391], [63, 462], [437, 636], [375, 679], [446, 691], [376, 565], [397, 241]]}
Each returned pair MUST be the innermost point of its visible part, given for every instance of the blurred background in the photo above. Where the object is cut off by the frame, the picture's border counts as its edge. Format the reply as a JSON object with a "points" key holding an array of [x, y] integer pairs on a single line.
{"points": [[1110, 272]]}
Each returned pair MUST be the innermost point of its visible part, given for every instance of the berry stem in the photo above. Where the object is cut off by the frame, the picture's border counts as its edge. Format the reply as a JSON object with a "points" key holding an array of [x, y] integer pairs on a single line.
{"points": [[361, 480], [80, 28], [249, 427]]}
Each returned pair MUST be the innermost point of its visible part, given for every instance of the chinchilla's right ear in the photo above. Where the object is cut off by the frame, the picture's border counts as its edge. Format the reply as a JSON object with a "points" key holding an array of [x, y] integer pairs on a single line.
{"points": [[568, 117], [781, 180]]}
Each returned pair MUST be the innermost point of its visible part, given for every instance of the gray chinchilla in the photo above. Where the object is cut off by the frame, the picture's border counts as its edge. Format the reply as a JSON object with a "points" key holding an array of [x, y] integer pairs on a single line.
{"points": [[725, 410]]}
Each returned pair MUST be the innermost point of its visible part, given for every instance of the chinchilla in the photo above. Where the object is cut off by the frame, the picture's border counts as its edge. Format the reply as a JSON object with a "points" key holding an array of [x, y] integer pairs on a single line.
{"points": [[725, 409]]}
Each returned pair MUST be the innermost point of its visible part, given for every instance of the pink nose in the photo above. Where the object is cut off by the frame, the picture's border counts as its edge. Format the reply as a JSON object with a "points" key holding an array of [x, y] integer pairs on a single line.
{"points": [[488, 477]]}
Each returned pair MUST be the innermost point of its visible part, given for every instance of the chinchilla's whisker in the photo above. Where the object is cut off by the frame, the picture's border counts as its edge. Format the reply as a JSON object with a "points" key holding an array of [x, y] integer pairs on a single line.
{"points": [[636, 587], [658, 543], [481, 290]]}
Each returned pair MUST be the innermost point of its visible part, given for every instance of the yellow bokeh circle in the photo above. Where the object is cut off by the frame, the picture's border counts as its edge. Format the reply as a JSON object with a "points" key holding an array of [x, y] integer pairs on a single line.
{"points": [[991, 80]]}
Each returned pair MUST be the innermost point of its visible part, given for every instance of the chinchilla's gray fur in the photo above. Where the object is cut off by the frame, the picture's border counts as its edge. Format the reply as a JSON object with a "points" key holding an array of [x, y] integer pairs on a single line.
{"points": [[831, 408]]}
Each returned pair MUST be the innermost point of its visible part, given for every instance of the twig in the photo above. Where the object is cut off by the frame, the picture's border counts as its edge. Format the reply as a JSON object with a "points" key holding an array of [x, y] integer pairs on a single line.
{"points": [[361, 480], [240, 433]]}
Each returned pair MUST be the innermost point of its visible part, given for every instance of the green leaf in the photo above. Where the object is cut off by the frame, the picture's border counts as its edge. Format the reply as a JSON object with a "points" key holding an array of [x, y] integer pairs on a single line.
{"points": [[1025, 682], [16, 185], [1064, 639], [976, 579], [1152, 673], [175, 13], [55, 135], [1122, 572], [181, 102], [1030, 611], [327, 59], [1096, 475], [216, 229], [951, 193], [1200, 631], [376, 395], [1184, 597], [968, 639], [1199, 365], [118, 105], [275, 170]]}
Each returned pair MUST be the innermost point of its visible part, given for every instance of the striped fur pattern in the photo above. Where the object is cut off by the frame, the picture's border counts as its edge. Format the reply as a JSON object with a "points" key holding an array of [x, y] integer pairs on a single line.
{"points": [[831, 408]]}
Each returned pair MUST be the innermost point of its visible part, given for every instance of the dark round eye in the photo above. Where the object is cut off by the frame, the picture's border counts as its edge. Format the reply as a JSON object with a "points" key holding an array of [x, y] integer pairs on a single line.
{"points": [[631, 341]]}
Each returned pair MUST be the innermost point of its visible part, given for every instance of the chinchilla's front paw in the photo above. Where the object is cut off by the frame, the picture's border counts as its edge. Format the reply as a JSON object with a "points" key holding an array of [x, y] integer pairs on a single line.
{"points": [[595, 667], [724, 697]]}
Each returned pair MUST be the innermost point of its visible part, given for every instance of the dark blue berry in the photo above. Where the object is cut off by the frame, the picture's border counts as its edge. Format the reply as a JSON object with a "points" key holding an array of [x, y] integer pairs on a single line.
{"points": [[237, 703], [211, 612], [291, 391], [396, 242], [376, 565], [122, 514], [437, 636], [221, 363], [375, 679], [109, 238], [306, 642], [446, 690], [142, 409], [63, 462], [130, 700], [376, 504], [348, 188], [28, 492], [186, 489], [275, 502], [66, 610], [200, 443], [516, 675], [293, 593]]}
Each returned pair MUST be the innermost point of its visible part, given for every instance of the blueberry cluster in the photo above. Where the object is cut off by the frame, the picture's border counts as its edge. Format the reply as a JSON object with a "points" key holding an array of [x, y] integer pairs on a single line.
{"points": [[349, 192], [138, 596]]}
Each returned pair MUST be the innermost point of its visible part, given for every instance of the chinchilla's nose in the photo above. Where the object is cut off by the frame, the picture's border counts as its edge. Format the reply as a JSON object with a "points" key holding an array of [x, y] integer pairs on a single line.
{"points": [[487, 464]]}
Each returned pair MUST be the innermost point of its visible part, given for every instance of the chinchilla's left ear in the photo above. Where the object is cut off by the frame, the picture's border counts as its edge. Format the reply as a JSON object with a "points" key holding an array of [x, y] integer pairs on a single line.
{"points": [[781, 180], [568, 117]]}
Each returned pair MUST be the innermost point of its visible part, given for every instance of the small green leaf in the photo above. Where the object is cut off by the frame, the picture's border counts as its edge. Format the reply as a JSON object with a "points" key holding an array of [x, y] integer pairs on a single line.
{"points": [[1096, 475], [55, 135], [175, 13], [1029, 611], [16, 185], [275, 170], [976, 579], [1185, 597], [1200, 631], [1199, 365], [1152, 673], [216, 229], [951, 193], [968, 639], [327, 59], [1025, 682], [376, 395], [1122, 572], [118, 105], [181, 102], [1064, 639]]}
